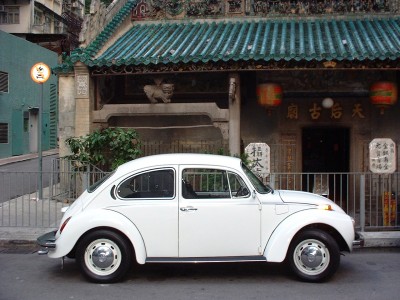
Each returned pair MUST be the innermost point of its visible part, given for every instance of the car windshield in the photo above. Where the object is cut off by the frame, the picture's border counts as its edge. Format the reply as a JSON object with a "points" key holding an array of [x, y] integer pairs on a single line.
{"points": [[95, 185], [257, 183]]}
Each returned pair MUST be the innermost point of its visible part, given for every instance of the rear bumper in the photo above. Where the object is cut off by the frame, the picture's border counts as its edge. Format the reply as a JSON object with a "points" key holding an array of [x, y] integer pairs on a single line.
{"points": [[47, 241]]}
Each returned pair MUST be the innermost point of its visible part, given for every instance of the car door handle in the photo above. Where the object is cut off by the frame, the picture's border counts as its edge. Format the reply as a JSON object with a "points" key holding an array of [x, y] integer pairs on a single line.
{"points": [[189, 208]]}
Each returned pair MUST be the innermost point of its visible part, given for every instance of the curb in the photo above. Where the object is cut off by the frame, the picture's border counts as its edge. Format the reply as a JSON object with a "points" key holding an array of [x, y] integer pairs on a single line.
{"points": [[23, 238], [388, 239]]}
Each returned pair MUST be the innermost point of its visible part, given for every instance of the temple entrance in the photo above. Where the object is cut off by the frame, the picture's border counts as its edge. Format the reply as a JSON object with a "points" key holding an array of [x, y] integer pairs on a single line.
{"points": [[325, 150]]}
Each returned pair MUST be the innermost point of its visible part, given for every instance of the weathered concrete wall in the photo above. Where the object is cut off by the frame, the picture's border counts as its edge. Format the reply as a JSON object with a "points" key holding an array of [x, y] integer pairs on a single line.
{"points": [[66, 109]]}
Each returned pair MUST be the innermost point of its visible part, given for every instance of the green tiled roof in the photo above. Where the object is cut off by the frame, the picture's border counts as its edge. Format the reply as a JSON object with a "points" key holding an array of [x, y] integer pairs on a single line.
{"points": [[263, 39]]}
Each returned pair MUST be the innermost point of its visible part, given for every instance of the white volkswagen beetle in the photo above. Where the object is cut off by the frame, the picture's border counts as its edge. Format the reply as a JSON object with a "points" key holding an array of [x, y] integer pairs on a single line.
{"points": [[197, 208]]}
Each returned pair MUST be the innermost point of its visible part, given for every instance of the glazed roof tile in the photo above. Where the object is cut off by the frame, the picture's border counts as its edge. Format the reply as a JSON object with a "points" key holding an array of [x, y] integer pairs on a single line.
{"points": [[232, 40]]}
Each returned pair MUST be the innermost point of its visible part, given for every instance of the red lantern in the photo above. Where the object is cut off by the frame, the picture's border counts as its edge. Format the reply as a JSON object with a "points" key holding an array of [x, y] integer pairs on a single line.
{"points": [[383, 94], [269, 94]]}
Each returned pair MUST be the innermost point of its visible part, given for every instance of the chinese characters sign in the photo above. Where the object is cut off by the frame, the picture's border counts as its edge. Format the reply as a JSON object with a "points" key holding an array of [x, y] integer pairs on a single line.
{"points": [[40, 72], [82, 85], [259, 157], [315, 111], [382, 156]]}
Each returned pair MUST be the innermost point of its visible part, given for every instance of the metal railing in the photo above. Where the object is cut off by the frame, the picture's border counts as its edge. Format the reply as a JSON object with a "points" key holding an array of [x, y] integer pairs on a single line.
{"points": [[372, 200], [20, 205]]}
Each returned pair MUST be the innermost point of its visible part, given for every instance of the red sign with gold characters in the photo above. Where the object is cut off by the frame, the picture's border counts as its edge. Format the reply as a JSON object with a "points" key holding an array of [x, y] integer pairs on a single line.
{"points": [[40, 73]]}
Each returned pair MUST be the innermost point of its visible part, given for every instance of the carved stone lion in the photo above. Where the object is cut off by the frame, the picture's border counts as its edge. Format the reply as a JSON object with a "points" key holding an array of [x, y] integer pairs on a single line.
{"points": [[162, 92]]}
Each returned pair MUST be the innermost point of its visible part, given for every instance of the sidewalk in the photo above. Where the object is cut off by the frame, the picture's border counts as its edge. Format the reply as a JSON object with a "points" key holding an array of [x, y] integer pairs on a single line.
{"points": [[13, 159], [18, 237]]}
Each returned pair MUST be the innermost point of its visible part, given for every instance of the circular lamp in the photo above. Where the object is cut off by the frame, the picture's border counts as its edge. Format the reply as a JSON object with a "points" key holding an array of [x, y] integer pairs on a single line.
{"points": [[327, 103]]}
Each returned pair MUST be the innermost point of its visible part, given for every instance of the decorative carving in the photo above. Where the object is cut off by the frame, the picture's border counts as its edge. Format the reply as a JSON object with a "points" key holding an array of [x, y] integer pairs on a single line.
{"points": [[158, 9], [141, 10], [312, 7], [232, 89], [234, 6], [245, 66], [82, 85], [174, 7], [197, 8], [161, 91]]}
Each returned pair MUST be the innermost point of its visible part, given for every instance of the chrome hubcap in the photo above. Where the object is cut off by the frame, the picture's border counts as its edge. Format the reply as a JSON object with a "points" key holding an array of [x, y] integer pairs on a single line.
{"points": [[102, 257], [311, 257]]}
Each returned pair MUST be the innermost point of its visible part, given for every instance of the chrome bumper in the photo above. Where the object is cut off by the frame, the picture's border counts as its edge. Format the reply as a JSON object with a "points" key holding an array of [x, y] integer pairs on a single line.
{"points": [[358, 241], [47, 241]]}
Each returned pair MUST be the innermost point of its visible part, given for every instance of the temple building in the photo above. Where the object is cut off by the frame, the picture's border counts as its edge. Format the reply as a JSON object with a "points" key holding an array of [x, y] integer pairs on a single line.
{"points": [[314, 80]]}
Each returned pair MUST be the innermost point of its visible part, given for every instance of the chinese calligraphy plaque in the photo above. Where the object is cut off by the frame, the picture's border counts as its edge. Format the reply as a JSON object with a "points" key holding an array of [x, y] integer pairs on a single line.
{"points": [[82, 85], [259, 157], [382, 156]]}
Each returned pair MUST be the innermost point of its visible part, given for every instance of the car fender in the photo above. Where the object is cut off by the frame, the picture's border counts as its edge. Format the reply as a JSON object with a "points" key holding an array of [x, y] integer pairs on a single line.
{"points": [[81, 223], [279, 242]]}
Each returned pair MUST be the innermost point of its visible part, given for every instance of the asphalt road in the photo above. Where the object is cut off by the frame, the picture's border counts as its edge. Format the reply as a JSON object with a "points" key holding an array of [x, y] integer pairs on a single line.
{"points": [[364, 274]]}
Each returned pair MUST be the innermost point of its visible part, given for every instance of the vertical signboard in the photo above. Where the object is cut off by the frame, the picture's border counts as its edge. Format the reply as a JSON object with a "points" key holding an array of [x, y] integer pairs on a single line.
{"points": [[382, 156], [259, 157], [382, 160]]}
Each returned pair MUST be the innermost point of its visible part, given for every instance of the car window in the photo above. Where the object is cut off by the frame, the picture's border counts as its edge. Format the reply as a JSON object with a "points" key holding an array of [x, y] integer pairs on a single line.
{"points": [[257, 183], [148, 185], [99, 182], [211, 183], [237, 186]]}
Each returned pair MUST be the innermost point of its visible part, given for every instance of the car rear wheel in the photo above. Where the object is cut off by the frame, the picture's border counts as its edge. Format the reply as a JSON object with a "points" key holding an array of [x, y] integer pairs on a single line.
{"points": [[103, 256], [314, 255]]}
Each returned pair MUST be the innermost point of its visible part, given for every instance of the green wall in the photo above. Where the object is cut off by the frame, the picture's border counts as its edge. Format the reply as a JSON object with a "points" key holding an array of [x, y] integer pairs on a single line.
{"points": [[17, 56]]}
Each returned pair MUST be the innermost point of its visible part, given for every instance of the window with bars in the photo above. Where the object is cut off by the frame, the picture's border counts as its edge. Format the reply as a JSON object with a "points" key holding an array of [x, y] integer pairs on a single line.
{"points": [[10, 15], [3, 82], [38, 17], [3, 133]]}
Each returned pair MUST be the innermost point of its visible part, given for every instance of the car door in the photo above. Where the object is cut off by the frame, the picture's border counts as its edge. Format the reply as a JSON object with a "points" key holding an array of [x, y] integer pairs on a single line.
{"points": [[218, 217], [149, 199]]}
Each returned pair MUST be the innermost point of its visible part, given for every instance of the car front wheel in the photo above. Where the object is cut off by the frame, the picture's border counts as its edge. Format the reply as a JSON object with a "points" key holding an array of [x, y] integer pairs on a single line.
{"points": [[314, 255], [103, 256]]}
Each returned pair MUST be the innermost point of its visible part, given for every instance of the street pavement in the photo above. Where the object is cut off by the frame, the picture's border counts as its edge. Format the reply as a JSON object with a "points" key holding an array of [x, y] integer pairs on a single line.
{"points": [[20, 237]]}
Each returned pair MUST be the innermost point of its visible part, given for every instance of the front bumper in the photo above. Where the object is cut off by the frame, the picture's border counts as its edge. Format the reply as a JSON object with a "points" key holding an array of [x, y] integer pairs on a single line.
{"points": [[47, 241], [358, 240]]}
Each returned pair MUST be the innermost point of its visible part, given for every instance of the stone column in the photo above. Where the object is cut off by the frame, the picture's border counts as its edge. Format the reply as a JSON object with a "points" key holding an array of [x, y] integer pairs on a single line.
{"points": [[66, 110], [83, 99], [234, 114]]}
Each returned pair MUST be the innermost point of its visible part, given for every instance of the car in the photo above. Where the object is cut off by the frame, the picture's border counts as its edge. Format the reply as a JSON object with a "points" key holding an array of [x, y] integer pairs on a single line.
{"points": [[192, 208]]}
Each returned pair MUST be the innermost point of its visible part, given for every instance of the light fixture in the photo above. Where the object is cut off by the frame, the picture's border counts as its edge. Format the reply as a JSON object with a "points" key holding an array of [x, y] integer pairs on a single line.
{"points": [[327, 103]]}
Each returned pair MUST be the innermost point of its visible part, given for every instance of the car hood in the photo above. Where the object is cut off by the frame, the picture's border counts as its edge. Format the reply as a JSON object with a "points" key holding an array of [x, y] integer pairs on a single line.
{"points": [[299, 197]]}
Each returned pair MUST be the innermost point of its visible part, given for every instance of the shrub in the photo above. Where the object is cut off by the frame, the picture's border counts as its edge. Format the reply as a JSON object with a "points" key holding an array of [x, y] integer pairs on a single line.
{"points": [[106, 149]]}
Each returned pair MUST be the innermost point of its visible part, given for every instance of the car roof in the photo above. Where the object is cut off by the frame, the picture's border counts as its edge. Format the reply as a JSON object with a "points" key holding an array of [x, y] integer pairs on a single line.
{"points": [[180, 158]]}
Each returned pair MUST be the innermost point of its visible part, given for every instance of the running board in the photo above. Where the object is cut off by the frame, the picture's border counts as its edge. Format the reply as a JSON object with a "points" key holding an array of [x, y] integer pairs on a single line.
{"points": [[205, 259]]}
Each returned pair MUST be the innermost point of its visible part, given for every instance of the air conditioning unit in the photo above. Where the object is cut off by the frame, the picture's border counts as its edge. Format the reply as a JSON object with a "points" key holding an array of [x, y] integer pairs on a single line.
{"points": [[2, 8]]}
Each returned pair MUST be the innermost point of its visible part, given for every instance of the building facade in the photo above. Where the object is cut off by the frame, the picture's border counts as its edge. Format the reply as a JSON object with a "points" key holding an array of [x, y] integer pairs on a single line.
{"points": [[32, 32], [20, 98], [206, 60], [53, 24]]}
